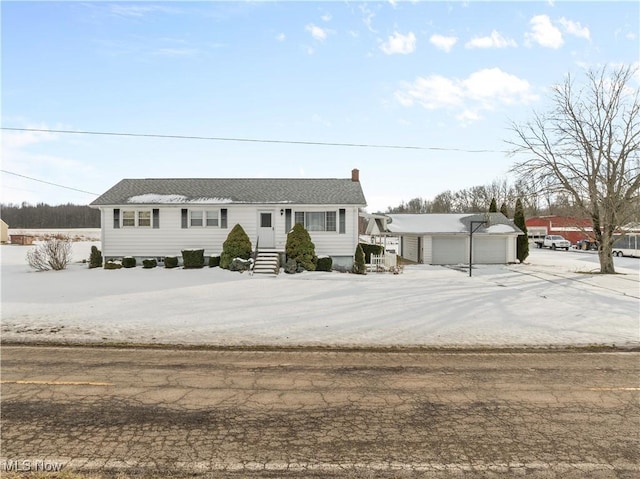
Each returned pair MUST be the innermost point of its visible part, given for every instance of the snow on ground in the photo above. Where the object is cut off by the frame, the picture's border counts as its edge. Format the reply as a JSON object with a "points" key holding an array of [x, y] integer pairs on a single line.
{"points": [[551, 301]]}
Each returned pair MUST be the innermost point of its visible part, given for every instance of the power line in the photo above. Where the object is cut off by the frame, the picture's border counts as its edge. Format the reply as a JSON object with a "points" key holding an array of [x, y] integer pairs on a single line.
{"points": [[48, 183], [253, 140]]}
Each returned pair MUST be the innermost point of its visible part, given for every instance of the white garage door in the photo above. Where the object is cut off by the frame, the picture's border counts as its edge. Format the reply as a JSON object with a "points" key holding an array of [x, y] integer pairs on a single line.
{"points": [[449, 250], [489, 250]]}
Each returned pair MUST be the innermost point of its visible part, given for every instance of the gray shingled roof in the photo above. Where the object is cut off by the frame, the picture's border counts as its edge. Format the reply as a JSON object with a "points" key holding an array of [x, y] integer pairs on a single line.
{"points": [[220, 190]]}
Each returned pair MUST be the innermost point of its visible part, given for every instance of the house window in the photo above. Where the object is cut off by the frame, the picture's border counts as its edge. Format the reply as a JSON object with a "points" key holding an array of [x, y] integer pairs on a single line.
{"points": [[144, 218], [196, 218], [212, 218], [200, 218], [265, 220], [133, 218], [317, 220], [128, 218]]}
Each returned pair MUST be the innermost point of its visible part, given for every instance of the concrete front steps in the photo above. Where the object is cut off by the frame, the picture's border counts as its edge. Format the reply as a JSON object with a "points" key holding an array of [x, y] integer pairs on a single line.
{"points": [[267, 263]]}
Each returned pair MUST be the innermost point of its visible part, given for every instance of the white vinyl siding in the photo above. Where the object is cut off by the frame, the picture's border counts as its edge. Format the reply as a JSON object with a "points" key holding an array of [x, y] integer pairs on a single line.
{"points": [[410, 248]]}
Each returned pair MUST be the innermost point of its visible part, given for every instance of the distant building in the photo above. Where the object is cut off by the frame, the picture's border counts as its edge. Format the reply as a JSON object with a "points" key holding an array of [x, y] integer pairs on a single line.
{"points": [[572, 229], [4, 231]]}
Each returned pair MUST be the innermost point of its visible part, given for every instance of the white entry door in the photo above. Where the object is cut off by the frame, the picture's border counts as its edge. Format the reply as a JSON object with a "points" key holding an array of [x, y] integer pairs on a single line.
{"points": [[266, 230]]}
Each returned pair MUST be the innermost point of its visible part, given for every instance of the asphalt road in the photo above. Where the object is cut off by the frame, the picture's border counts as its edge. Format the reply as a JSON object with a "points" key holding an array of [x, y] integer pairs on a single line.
{"points": [[352, 414]]}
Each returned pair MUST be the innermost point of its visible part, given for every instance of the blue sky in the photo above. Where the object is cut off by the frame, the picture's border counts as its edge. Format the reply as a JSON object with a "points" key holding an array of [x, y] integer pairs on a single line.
{"points": [[449, 75]]}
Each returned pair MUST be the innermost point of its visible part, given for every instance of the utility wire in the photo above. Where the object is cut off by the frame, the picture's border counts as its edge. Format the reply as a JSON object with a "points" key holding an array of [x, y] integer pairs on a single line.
{"points": [[48, 183], [254, 140]]}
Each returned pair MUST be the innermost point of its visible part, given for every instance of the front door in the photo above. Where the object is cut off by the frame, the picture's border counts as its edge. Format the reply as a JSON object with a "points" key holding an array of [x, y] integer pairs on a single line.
{"points": [[266, 230]]}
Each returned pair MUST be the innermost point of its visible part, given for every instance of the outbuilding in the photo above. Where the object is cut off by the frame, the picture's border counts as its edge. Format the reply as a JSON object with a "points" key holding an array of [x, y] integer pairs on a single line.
{"points": [[4, 232], [445, 238]]}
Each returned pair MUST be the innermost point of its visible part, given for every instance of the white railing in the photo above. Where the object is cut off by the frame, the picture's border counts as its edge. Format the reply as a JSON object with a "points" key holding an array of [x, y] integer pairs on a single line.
{"points": [[383, 262]]}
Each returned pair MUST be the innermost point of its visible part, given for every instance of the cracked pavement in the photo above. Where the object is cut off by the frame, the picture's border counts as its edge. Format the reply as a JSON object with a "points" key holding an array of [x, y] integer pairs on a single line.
{"points": [[323, 413]]}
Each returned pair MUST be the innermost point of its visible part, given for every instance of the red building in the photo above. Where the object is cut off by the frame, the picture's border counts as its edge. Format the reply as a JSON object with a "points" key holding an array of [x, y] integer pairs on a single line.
{"points": [[572, 229]]}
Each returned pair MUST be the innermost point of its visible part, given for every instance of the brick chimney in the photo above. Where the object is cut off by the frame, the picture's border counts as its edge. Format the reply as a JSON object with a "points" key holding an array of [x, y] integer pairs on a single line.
{"points": [[355, 174]]}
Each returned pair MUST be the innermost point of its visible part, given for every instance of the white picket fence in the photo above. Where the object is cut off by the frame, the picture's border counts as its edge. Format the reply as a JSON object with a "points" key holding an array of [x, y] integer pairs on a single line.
{"points": [[383, 262]]}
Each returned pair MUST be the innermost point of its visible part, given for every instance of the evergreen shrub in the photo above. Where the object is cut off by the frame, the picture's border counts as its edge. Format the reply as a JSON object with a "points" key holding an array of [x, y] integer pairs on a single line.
{"points": [[237, 245], [149, 263], [370, 249], [193, 258], [300, 248], [171, 262], [522, 242], [128, 262], [95, 259], [324, 264], [214, 261], [359, 266], [112, 265]]}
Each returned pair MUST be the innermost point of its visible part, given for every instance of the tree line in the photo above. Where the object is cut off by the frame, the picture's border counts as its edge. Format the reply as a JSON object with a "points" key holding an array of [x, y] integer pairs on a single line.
{"points": [[43, 215], [499, 195]]}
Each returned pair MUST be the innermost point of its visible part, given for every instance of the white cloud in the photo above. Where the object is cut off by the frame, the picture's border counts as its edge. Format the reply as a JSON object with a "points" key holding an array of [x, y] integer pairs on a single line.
{"points": [[495, 40], [318, 33], [443, 43], [574, 28], [491, 86], [485, 89], [431, 92], [399, 43], [544, 33], [326, 17], [281, 37], [367, 17]]}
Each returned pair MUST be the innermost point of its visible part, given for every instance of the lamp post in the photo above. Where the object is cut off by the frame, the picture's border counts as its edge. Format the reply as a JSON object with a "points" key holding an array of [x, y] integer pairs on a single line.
{"points": [[471, 231]]}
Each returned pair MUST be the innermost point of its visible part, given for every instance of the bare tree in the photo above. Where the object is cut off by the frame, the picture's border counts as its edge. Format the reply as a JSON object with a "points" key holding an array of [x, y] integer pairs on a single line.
{"points": [[587, 147]]}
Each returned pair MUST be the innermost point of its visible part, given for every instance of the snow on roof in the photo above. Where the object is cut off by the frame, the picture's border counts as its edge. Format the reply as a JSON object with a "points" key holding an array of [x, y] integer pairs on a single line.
{"points": [[422, 223], [452, 223], [167, 199]]}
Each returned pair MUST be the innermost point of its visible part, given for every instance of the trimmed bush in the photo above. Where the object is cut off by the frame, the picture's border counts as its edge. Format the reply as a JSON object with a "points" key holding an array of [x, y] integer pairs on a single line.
{"points": [[128, 262], [291, 267], [324, 264], [239, 264], [237, 245], [359, 266], [214, 261], [300, 248], [171, 262], [370, 249], [149, 263], [192, 258], [112, 265], [95, 259]]}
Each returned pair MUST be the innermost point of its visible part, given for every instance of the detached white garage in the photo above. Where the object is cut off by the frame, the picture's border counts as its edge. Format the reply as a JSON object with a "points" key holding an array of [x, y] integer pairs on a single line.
{"points": [[444, 238]]}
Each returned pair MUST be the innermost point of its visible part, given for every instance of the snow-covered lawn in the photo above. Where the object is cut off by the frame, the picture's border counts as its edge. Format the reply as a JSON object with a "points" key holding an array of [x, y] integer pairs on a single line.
{"points": [[552, 300]]}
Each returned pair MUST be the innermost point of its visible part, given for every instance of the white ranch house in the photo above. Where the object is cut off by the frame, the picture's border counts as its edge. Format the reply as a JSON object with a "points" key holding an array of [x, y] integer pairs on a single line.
{"points": [[444, 238], [156, 218]]}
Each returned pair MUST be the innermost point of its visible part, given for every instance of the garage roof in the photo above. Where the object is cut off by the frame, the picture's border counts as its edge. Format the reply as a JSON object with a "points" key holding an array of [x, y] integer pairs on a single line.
{"points": [[451, 223]]}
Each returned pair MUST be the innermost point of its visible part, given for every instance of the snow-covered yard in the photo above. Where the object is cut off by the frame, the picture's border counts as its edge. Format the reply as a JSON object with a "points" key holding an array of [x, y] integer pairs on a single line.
{"points": [[552, 300]]}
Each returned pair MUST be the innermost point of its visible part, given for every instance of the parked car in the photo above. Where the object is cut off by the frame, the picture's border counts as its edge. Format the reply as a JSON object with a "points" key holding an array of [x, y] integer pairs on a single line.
{"points": [[587, 245], [554, 242]]}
